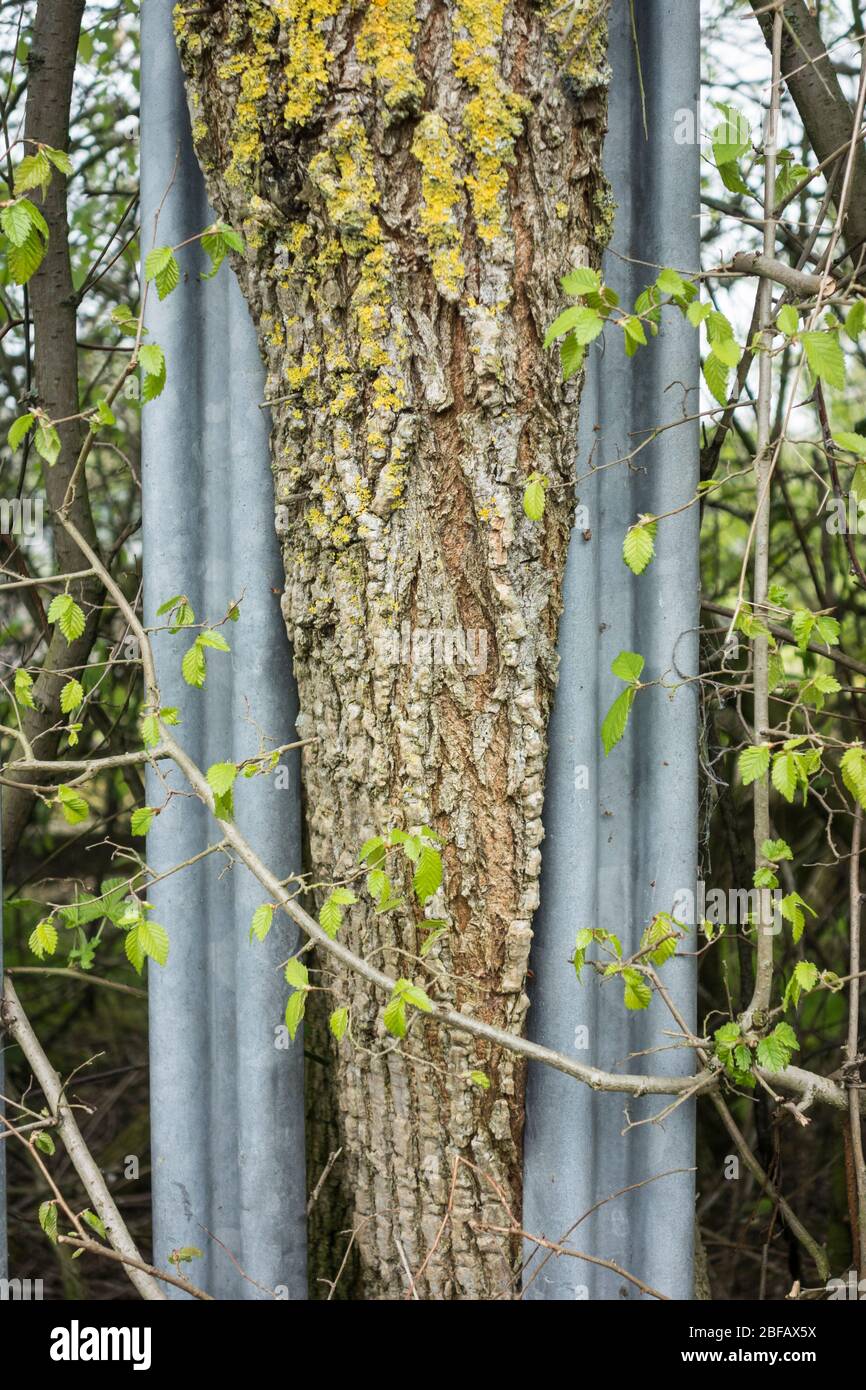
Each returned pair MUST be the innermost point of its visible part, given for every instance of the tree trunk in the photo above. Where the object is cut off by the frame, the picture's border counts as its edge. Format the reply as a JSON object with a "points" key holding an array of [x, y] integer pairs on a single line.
{"points": [[411, 181]]}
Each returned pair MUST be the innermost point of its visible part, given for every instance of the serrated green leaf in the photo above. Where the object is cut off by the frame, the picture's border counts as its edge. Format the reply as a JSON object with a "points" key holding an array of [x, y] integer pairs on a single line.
{"points": [[295, 1009], [71, 696], [48, 1220], [825, 357], [753, 763], [637, 992], [73, 805], [46, 441], [193, 667], [338, 1023], [638, 547], [297, 974], [20, 429], [262, 920], [616, 719], [24, 688], [142, 819], [788, 320], [92, 1220], [43, 939], [394, 1017], [581, 281], [428, 875], [221, 777], [784, 777], [34, 171], [716, 376]]}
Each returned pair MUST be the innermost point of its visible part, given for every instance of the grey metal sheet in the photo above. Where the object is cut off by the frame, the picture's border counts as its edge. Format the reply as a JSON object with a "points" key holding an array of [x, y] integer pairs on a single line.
{"points": [[226, 1101], [617, 850]]}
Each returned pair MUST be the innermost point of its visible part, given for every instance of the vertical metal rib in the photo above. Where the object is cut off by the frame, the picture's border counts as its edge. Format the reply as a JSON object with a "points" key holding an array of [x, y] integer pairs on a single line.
{"points": [[621, 839], [226, 1101]]}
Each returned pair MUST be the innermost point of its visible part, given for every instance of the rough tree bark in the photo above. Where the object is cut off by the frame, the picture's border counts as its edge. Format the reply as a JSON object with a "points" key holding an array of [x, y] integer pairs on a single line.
{"points": [[411, 180]]}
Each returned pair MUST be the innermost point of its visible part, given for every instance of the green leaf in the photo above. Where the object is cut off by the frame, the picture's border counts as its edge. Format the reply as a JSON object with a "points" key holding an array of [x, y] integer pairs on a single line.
{"points": [[34, 171], [59, 158], [43, 1141], [616, 719], [48, 1220], [825, 357], [153, 940], [339, 1022], [372, 851], [728, 351], [583, 322], [16, 222], [439, 930], [772, 1054], [43, 939], [297, 974], [786, 1036], [142, 818], [753, 763], [638, 547], [150, 730], [628, 666], [428, 875], [716, 376], [261, 923], [64, 611], [295, 1009], [785, 777], [534, 497], [47, 443], [581, 281], [161, 266], [663, 935], [415, 996], [394, 1016], [853, 768], [92, 1220], [23, 688], [788, 320], [669, 282], [571, 355], [732, 138], [221, 777], [776, 850], [209, 638], [20, 429], [330, 916], [152, 359], [856, 320], [637, 992], [193, 667], [854, 443], [71, 696], [73, 805]]}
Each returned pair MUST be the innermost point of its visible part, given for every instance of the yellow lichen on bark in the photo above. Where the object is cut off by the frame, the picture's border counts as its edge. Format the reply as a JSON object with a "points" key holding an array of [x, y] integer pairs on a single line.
{"points": [[385, 43], [493, 117], [441, 195]]}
